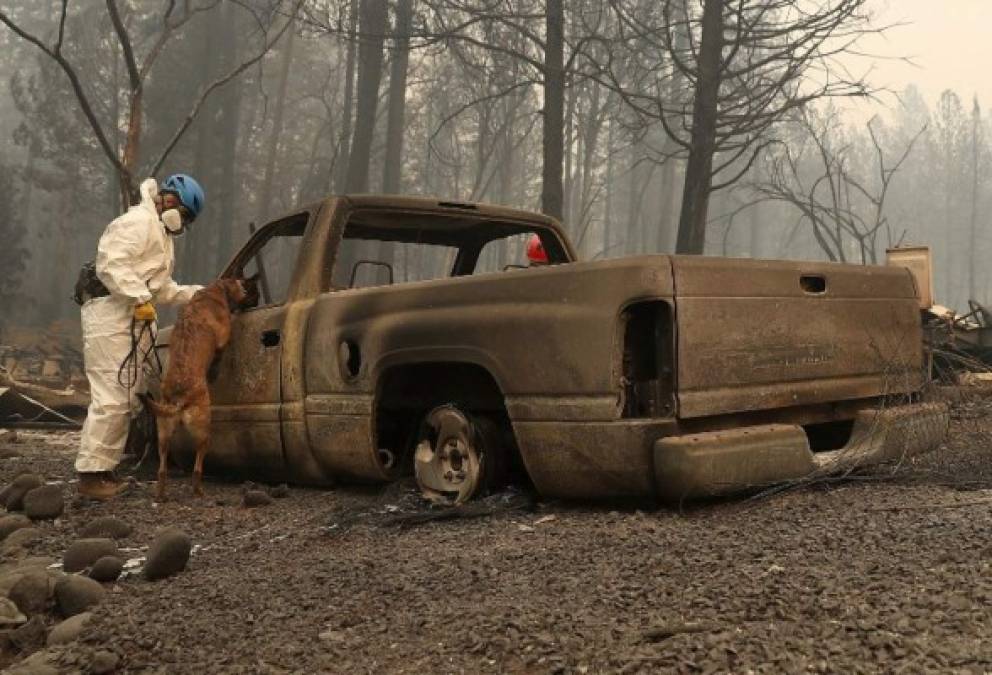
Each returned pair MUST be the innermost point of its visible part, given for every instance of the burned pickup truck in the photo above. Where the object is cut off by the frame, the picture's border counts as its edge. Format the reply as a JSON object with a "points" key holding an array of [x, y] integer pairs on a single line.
{"points": [[399, 335]]}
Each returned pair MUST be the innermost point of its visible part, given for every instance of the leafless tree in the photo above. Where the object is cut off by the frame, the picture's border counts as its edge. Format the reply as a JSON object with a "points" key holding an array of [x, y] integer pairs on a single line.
{"points": [[173, 17], [747, 65], [839, 206]]}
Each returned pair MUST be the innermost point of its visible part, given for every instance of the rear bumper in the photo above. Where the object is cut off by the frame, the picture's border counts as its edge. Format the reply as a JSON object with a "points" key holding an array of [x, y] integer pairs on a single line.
{"points": [[647, 459]]}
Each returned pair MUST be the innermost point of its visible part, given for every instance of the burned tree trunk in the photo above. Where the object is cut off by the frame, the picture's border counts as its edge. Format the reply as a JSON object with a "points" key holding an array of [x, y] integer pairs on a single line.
{"points": [[265, 197], [393, 170], [702, 145], [372, 29], [552, 189], [228, 124], [976, 127], [348, 105]]}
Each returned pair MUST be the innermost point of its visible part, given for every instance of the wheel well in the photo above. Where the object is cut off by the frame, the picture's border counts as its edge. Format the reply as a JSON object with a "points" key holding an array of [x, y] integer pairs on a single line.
{"points": [[406, 394]]}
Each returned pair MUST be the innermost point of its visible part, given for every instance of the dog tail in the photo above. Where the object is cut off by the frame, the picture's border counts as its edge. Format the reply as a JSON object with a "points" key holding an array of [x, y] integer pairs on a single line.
{"points": [[163, 409]]}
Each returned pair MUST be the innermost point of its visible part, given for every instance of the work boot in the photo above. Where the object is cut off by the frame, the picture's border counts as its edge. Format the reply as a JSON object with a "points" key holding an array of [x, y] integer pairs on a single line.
{"points": [[101, 485]]}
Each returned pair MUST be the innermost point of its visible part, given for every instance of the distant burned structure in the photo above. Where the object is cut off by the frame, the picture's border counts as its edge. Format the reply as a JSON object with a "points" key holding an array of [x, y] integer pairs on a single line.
{"points": [[41, 377]]}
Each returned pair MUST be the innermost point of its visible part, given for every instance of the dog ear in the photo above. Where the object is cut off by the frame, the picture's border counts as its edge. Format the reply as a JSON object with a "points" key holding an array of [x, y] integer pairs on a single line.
{"points": [[251, 286]]}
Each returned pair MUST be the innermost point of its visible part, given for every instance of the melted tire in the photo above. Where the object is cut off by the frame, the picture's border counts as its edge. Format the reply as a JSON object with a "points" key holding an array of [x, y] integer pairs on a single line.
{"points": [[457, 455]]}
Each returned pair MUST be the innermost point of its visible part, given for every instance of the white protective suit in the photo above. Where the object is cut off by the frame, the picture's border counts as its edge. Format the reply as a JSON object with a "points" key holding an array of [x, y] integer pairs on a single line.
{"points": [[134, 260]]}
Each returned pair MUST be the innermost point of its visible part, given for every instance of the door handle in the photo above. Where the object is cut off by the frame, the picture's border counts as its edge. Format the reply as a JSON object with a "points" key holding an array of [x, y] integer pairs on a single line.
{"points": [[270, 338]]}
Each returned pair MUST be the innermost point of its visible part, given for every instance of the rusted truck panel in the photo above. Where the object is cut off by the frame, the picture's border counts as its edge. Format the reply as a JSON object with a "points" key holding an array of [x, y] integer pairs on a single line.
{"points": [[756, 334], [650, 376]]}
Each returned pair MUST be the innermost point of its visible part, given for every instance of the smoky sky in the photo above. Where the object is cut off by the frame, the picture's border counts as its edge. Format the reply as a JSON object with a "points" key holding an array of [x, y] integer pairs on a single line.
{"points": [[947, 40]]}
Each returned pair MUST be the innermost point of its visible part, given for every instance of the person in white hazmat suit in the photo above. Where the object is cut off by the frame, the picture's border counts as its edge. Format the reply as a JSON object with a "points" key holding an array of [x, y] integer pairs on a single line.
{"points": [[134, 261]]}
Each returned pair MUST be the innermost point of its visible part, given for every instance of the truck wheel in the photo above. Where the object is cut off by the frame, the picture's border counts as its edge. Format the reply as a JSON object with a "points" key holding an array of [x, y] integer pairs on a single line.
{"points": [[456, 456]]}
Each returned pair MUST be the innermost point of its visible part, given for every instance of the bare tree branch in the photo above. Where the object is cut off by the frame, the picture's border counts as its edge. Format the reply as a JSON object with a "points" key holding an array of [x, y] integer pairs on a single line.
{"points": [[77, 87], [216, 84]]}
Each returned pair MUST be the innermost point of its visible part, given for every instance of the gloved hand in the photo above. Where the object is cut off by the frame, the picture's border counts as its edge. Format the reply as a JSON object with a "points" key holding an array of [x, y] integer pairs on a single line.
{"points": [[145, 312]]}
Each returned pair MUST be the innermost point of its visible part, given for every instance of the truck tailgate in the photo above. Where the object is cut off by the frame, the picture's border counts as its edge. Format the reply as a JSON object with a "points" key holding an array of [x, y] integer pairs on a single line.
{"points": [[755, 335]]}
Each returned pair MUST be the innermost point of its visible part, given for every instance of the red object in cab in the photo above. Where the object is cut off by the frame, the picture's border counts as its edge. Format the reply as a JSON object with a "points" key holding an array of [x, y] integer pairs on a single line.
{"points": [[535, 251]]}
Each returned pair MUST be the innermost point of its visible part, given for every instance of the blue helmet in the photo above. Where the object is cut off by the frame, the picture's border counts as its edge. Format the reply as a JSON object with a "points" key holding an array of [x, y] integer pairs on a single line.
{"points": [[188, 190]]}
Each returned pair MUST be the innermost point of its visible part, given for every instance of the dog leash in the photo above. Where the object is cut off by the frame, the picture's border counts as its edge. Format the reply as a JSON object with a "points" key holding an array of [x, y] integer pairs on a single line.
{"points": [[127, 374], [130, 368]]}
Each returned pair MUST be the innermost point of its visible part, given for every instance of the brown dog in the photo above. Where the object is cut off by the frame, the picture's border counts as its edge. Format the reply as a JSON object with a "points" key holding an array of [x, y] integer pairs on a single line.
{"points": [[201, 332]]}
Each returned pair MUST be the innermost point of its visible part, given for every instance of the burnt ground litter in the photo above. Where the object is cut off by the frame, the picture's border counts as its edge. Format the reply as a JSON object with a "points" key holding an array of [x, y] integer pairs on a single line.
{"points": [[888, 571]]}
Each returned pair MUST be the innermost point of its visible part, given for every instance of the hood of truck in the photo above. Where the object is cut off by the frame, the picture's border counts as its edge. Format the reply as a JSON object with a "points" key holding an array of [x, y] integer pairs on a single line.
{"points": [[756, 335]]}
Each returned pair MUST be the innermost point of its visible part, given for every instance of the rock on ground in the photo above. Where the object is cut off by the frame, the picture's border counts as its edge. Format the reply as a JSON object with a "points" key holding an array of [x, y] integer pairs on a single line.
{"points": [[104, 662], [12, 523], [76, 594], [31, 636], [887, 575], [167, 555], [253, 498], [39, 663], [19, 539], [107, 526], [9, 614], [14, 497], [107, 569], [32, 593], [68, 630], [11, 573], [44, 503], [84, 552], [279, 491]]}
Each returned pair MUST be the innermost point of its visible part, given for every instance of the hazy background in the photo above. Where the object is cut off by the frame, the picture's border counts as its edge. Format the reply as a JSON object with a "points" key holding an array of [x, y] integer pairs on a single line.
{"points": [[947, 42], [279, 135]]}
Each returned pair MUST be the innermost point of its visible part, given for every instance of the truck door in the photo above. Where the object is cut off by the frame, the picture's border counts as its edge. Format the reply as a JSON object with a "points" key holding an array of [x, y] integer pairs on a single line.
{"points": [[246, 394]]}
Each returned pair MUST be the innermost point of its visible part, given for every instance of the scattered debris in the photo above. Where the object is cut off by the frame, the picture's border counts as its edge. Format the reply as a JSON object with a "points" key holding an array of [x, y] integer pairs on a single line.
{"points": [[42, 383], [961, 344], [133, 566], [502, 502], [331, 636], [665, 631]]}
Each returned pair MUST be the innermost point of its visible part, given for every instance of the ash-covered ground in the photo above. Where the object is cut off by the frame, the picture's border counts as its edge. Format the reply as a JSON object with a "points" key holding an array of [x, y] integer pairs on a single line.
{"points": [[887, 572]]}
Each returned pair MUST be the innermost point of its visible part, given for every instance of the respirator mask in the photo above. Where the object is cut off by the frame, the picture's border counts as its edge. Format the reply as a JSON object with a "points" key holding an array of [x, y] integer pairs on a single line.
{"points": [[175, 222]]}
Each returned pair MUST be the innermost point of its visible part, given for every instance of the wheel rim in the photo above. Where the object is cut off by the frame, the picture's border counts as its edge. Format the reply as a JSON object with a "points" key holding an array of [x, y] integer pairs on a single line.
{"points": [[448, 461]]}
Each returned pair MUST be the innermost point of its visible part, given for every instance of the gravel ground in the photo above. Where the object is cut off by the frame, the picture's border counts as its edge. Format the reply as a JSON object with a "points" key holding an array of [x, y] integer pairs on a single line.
{"points": [[886, 573]]}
